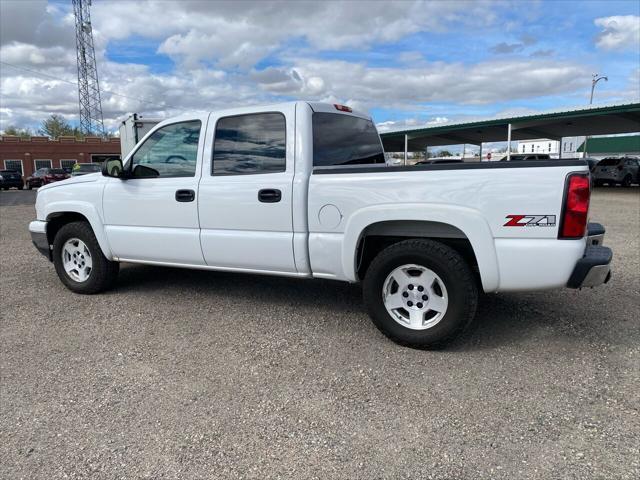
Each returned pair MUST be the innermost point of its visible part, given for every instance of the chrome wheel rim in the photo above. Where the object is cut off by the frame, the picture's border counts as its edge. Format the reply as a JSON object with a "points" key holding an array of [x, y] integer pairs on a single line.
{"points": [[76, 259], [415, 297]]}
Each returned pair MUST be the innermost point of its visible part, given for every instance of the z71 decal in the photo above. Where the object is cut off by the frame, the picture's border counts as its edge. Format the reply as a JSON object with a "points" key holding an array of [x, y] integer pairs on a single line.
{"points": [[531, 221]]}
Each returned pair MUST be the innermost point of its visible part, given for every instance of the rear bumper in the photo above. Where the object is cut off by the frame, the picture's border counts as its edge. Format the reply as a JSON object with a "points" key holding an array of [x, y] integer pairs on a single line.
{"points": [[11, 184], [594, 268], [38, 230], [604, 177]]}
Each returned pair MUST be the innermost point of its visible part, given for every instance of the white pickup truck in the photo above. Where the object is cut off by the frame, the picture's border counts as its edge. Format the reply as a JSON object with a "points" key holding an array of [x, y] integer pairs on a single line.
{"points": [[302, 189]]}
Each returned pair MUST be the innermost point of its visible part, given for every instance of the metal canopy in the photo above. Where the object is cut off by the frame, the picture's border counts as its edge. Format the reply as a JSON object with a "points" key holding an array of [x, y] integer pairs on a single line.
{"points": [[624, 118]]}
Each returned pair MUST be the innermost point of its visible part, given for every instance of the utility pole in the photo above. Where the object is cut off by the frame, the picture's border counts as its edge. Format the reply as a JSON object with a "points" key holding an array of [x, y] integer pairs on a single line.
{"points": [[595, 78], [91, 120]]}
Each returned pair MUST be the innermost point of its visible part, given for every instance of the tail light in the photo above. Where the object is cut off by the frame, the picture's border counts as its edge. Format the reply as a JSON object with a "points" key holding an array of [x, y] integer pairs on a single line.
{"points": [[576, 206]]}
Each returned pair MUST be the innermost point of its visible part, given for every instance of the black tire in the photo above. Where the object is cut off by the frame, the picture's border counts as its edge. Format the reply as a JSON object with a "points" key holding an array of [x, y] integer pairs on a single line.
{"points": [[456, 275], [29, 186], [103, 273], [20, 187], [598, 183], [626, 181]]}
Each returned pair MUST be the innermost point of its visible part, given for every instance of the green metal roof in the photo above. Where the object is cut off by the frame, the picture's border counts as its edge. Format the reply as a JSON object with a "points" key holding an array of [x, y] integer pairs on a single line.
{"points": [[620, 145], [599, 120]]}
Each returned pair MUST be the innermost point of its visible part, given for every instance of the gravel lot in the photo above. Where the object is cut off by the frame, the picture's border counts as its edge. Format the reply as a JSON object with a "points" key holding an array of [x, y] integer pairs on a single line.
{"points": [[187, 374]]}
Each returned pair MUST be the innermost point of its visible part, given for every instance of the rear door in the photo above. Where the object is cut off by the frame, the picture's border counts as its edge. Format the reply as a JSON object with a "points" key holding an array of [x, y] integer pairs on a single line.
{"points": [[245, 194], [153, 216]]}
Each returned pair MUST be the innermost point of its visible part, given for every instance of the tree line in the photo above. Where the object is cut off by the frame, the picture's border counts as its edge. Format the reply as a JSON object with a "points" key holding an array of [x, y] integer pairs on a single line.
{"points": [[53, 127]]}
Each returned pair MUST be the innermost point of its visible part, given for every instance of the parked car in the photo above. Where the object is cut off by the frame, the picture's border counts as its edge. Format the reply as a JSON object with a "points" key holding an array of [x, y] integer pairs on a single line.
{"points": [[433, 161], [85, 168], [11, 179], [44, 176], [622, 171], [523, 157], [302, 190]]}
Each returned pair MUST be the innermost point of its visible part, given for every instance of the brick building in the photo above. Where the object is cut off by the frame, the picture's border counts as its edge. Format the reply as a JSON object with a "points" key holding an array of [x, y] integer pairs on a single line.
{"points": [[29, 154]]}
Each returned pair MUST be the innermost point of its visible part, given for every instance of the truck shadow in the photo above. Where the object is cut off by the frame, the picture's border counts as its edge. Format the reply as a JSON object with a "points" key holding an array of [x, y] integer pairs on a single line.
{"points": [[504, 319]]}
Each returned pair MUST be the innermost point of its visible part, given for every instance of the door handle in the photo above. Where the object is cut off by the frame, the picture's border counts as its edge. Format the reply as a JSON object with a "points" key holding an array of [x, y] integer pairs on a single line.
{"points": [[269, 195], [185, 195]]}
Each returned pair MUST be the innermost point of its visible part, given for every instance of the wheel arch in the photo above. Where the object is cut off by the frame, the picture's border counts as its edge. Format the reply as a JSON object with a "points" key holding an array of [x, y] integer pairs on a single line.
{"points": [[462, 228], [62, 213]]}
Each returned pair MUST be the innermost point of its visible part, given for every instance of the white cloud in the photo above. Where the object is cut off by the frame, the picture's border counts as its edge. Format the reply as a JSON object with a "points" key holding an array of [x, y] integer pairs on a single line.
{"points": [[391, 125], [217, 45], [479, 83], [241, 33], [618, 32]]}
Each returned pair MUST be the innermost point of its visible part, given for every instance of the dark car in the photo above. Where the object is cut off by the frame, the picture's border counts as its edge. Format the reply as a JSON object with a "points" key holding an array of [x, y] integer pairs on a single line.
{"points": [[43, 176], [85, 168], [526, 157], [622, 171], [436, 161], [11, 179]]}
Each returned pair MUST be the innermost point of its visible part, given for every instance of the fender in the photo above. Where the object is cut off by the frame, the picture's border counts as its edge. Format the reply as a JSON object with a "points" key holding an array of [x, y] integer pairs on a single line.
{"points": [[469, 221], [90, 212]]}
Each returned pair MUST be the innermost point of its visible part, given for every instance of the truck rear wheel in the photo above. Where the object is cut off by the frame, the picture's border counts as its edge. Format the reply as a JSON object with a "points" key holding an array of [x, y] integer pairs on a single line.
{"points": [[420, 293], [79, 261]]}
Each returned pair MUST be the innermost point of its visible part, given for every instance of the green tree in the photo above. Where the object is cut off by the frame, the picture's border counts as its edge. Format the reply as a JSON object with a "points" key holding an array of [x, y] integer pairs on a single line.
{"points": [[445, 153], [56, 126], [18, 132]]}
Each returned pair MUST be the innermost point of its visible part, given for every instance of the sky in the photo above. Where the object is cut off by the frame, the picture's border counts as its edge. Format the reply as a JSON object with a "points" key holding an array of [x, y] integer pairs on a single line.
{"points": [[408, 63]]}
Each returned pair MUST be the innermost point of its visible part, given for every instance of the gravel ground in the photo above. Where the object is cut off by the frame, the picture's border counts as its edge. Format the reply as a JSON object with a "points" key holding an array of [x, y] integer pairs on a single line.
{"points": [[187, 374]]}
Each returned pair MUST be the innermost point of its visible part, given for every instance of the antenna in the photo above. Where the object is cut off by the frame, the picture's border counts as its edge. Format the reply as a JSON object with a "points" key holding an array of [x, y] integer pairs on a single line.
{"points": [[91, 121]]}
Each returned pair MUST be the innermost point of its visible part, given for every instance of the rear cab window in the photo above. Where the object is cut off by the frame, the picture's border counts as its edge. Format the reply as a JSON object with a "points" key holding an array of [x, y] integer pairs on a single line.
{"points": [[345, 140]]}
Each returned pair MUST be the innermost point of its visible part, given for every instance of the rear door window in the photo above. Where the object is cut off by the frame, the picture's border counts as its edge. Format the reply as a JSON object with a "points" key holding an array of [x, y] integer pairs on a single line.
{"points": [[340, 139], [250, 144]]}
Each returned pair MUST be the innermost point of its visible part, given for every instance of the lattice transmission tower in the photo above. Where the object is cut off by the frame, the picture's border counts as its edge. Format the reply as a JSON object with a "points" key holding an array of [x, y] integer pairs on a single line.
{"points": [[91, 121]]}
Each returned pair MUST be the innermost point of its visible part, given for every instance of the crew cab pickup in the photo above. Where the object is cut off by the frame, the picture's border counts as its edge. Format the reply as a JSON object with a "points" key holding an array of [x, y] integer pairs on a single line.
{"points": [[302, 189]]}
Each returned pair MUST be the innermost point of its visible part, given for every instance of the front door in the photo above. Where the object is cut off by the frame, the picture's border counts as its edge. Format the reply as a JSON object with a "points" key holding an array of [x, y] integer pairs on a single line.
{"points": [[153, 216], [245, 193]]}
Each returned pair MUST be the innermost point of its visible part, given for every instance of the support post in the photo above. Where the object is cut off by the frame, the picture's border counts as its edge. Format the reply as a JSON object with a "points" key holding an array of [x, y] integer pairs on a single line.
{"points": [[560, 149], [480, 151], [508, 142], [406, 148]]}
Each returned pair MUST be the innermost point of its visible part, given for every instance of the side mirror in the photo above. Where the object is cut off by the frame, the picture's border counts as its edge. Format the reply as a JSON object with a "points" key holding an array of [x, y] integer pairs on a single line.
{"points": [[112, 168]]}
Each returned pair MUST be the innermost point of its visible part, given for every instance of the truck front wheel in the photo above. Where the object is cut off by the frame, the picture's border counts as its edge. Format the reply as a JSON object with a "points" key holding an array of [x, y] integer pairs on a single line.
{"points": [[420, 293], [79, 261]]}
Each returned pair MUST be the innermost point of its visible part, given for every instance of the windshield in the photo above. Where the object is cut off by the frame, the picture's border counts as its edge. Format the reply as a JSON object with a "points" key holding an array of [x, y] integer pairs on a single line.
{"points": [[345, 140], [608, 162]]}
